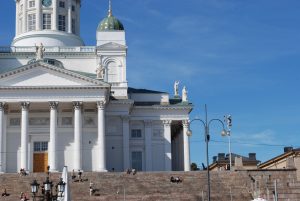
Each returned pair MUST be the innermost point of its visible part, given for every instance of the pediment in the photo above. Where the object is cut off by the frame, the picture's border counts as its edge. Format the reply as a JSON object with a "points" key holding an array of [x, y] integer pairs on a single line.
{"points": [[111, 45], [40, 74]]}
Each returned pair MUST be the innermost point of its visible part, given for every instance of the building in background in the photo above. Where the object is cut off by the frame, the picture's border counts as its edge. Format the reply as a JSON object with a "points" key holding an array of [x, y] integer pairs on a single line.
{"points": [[221, 162], [63, 103]]}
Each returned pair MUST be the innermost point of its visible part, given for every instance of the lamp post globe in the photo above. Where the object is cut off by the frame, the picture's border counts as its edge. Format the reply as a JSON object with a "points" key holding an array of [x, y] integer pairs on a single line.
{"points": [[34, 186], [224, 133], [47, 185], [61, 186]]}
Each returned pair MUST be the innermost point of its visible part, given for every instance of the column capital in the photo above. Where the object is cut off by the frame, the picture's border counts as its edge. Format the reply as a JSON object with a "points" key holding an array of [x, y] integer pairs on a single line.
{"points": [[77, 105], [25, 105], [148, 123], [167, 122], [101, 104], [53, 105], [185, 123]]}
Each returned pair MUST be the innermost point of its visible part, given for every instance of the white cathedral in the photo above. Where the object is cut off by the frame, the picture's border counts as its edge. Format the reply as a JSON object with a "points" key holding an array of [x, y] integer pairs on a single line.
{"points": [[66, 104]]}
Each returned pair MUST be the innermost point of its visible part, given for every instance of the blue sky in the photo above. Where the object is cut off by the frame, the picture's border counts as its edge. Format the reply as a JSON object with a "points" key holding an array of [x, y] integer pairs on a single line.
{"points": [[238, 57]]}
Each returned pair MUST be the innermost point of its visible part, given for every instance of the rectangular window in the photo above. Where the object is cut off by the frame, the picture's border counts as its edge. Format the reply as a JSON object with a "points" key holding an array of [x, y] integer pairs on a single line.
{"points": [[73, 26], [31, 4], [136, 133], [37, 146], [39, 121], [137, 160], [44, 146], [61, 4], [31, 22], [46, 21], [73, 8], [89, 121], [66, 121], [14, 121], [61, 22], [40, 146]]}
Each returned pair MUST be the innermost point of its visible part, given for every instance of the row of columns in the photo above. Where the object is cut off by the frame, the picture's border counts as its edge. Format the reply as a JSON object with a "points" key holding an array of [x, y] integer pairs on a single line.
{"points": [[39, 16], [52, 152]]}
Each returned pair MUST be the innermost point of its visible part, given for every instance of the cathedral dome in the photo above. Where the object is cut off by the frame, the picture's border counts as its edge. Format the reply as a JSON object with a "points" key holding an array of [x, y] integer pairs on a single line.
{"points": [[110, 23]]}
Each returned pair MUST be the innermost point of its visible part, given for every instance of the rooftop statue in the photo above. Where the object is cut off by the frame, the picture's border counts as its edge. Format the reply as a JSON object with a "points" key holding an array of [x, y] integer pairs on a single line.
{"points": [[176, 84], [39, 50], [184, 95], [100, 71]]}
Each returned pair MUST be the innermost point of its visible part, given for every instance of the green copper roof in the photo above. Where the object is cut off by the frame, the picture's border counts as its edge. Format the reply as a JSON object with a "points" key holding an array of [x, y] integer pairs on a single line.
{"points": [[110, 23]]}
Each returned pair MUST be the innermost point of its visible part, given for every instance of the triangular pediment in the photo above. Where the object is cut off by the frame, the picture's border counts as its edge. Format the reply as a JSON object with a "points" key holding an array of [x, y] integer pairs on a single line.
{"points": [[111, 45], [40, 74]]}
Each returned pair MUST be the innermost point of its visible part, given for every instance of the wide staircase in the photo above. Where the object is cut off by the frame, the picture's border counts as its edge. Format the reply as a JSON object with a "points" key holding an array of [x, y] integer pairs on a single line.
{"points": [[225, 186]]}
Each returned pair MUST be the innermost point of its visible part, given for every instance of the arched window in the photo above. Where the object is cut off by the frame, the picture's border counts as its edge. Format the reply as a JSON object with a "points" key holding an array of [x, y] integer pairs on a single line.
{"points": [[112, 72]]}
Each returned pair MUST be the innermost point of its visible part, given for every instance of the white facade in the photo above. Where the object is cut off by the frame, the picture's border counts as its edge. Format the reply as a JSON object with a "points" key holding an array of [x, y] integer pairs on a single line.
{"points": [[54, 107]]}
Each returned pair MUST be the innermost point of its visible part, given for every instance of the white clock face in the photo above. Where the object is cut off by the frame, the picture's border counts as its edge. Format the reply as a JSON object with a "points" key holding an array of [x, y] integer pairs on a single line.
{"points": [[47, 3]]}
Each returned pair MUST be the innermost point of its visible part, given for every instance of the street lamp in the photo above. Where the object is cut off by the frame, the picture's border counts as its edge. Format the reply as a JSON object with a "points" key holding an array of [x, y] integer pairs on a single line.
{"points": [[228, 121], [206, 125], [61, 187], [47, 193], [34, 188]]}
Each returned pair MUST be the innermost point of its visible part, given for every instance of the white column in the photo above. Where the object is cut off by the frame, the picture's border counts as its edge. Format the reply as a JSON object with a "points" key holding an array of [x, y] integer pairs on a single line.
{"points": [[39, 15], [24, 135], [126, 163], [168, 149], [54, 15], [186, 146], [24, 13], [69, 16], [101, 136], [148, 144], [78, 18], [52, 159], [77, 136], [4, 140], [17, 17], [1, 136]]}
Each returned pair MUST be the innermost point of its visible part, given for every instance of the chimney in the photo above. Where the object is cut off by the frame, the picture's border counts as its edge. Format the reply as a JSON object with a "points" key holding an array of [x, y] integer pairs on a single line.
{"points": [[252, 156], [287, 149], [215, 159], [221, 156]]}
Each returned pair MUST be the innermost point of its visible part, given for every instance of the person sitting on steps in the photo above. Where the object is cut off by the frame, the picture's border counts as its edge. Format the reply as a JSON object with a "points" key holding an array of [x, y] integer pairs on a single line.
{"points": [[5, 194]]}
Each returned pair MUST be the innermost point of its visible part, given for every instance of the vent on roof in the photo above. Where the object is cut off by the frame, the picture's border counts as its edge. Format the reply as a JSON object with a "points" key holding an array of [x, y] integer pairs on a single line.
{"points": [[221, 156], [252, 156], [287, 149]]}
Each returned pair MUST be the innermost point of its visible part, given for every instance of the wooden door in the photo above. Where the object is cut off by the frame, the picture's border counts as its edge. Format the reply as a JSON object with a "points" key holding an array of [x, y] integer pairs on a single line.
{"points": [[40, 162]]}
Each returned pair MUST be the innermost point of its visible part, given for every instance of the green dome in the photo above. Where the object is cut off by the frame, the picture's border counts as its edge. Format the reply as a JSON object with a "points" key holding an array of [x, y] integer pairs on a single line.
{"points": [[110, 23]]}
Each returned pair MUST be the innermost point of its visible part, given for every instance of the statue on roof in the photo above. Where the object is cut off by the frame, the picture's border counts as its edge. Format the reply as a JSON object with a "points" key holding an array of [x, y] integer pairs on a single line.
{"points": [[100, 71], [39, 50], [176, 85], [184, 95]]}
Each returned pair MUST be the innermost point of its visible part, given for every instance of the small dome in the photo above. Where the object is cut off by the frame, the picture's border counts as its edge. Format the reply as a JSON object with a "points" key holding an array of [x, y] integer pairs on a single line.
{"points": [[110, 23]]}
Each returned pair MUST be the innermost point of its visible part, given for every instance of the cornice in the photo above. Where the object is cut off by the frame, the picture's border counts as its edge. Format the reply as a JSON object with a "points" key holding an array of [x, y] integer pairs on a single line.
{"points": [[122, 102], [53, 68], [50, 87]]}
